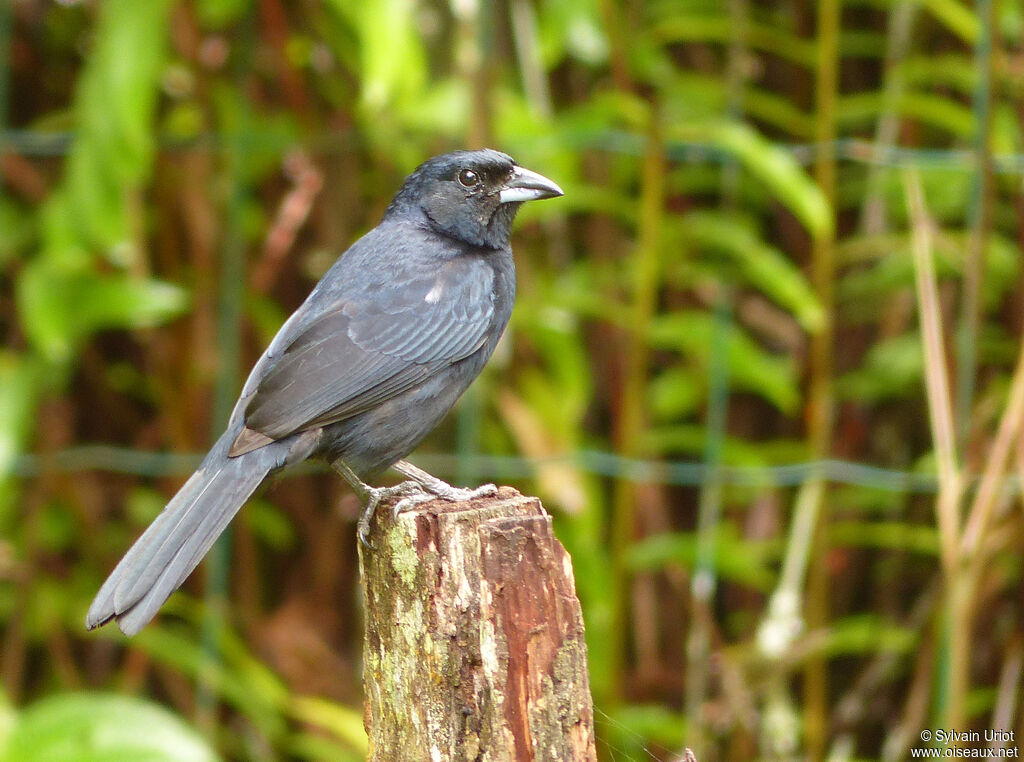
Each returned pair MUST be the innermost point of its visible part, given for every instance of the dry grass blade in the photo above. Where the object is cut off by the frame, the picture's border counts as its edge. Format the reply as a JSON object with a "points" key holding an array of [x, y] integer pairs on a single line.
{"points": [[982, 509], [1009, 690], [940, 408]]}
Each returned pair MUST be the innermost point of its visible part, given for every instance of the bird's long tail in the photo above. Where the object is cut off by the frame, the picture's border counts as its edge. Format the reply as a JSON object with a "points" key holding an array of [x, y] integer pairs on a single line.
{"points": [[176, 541]]}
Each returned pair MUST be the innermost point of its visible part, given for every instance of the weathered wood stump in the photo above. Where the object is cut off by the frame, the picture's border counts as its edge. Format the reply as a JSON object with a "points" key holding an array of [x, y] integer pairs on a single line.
{"points": [[474, 643]]}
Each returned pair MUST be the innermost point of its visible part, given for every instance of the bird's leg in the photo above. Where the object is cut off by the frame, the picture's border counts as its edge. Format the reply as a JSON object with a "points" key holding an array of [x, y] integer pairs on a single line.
{"points": [[433, 487], [371, 496]]}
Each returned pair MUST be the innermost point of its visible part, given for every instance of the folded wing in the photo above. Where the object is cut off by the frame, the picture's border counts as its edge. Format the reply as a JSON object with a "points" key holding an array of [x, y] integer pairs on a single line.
{"points": [[361, 351]]}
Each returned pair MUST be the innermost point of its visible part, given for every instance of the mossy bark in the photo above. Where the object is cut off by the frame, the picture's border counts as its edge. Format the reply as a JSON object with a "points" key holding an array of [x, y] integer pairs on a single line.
{"points": [[474, 637]]}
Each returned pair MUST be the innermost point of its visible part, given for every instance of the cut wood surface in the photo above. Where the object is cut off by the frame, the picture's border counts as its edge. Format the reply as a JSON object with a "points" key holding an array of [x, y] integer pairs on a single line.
{"points": [[474, 643]]}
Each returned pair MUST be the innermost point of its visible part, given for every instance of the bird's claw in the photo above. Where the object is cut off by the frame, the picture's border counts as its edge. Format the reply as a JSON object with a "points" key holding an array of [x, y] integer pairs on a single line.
{"points": [[373, 498], [413, 493], [441, 490], [462, 494], [411, 501]]}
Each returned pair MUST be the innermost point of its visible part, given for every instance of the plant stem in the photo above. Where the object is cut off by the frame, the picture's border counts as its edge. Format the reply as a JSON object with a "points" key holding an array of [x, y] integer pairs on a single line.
{"points": [[821, 399], [997, 463], [704, 581], [632, 409], [980, 220], [956, 622]]}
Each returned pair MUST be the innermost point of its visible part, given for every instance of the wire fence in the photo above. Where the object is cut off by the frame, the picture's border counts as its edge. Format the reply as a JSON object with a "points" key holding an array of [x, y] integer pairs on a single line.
{"points": [[34, 143], [141, 463]]}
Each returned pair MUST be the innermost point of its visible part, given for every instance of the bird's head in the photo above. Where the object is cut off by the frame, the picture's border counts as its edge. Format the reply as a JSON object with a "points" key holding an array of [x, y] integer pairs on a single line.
{"points": [[471, 195]]}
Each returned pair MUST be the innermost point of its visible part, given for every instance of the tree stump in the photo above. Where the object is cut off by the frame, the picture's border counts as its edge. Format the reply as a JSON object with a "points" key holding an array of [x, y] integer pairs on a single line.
{"points": [[474, 643]]}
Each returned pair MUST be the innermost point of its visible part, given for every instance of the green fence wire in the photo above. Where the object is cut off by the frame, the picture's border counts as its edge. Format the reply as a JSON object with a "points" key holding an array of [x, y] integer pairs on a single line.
{"points": [[855, 150], [141, 463]]}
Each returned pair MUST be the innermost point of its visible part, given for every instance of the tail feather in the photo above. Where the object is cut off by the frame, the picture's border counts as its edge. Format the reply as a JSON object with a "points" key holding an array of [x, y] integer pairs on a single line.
{"points": [[174, 544]]}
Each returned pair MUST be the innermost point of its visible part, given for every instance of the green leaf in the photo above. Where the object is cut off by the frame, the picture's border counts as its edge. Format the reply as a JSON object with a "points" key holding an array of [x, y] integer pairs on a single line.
{"points": [[315, 747], [98, 727], [8, 719], [15, 230], [255, 142], [938, 111], [57, 527], [269, 523], [750, 367], [774, 166], [637, 725], [889, 535], [951, 69], [392, 60], [22, 378], [893, 368], [143, 505], [343, 722], [674, 393], [956, 17], [238, 679], [19, 388], [737, 559], [571, 28], [704, 27], [443, 108], [778, 111], [114, 108], [60, 306], [691, 440], [217, 14], [762, 265], [866, 634]]}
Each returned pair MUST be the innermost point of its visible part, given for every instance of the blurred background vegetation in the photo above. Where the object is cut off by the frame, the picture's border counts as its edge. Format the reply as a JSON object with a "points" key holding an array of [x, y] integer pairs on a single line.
{"points": [[764, 366]]}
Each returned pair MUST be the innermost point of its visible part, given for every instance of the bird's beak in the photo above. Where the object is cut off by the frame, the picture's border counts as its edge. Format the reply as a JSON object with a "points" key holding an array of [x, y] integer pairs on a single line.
{"points": [[525, 185]]}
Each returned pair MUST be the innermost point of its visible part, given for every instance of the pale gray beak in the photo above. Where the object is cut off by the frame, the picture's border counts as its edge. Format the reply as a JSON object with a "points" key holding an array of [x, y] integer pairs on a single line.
{"points": [[525, 185]]}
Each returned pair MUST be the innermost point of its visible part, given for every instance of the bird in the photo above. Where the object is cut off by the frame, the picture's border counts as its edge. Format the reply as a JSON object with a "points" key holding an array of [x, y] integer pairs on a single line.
{"points": [[369, 364]]}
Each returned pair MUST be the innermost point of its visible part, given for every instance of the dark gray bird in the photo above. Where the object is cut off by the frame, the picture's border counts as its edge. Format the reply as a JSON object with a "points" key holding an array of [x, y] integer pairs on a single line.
{"points": [[378, 353]]}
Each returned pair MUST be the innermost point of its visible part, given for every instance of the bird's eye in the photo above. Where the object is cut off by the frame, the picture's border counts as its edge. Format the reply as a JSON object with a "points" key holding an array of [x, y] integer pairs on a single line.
{"points": [[468, 178]]}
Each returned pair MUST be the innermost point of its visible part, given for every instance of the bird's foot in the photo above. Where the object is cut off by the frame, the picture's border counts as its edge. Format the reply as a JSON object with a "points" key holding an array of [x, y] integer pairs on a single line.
{"points": [[420, 487], [434, 487], [445, 491], [413, 493], [372, 497]]}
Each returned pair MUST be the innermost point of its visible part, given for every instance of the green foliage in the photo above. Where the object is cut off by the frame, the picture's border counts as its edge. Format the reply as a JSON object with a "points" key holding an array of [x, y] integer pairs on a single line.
{"points": [[738, 559], [866, 634], [344, 723], [572, 28], [243, 682], [15, 230], [96, 727], [20, 380], [150, 179], [893, 369], [762, 266], [114, 141], [956, 17], [62, 306], [631, 729], [217, 14], [773, 166], [750, 367], [886, 535], [269, 524]]}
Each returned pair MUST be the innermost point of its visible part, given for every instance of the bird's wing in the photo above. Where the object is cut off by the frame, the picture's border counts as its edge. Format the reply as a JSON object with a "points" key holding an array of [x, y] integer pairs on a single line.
{"points": [[364, 349]]}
